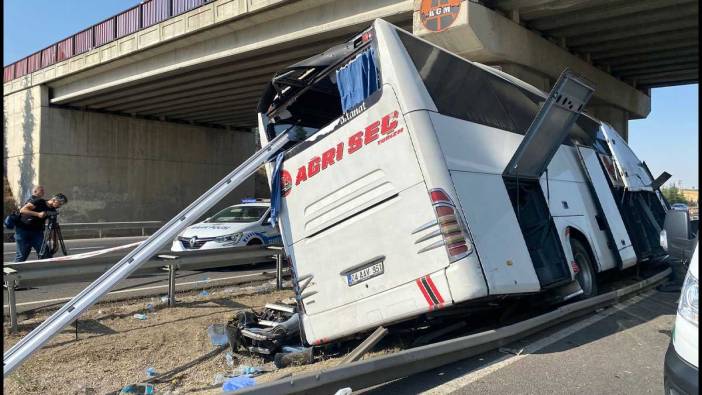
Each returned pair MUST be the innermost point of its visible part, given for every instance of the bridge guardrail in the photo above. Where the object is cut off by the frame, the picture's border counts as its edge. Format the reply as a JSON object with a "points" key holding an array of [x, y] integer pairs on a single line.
{"points": [[127, 22], [90, 265], [102, 227]]}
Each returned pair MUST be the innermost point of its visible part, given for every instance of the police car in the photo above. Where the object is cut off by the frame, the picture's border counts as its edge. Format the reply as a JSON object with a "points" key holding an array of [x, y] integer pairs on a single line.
{"points": [[239, 225]]}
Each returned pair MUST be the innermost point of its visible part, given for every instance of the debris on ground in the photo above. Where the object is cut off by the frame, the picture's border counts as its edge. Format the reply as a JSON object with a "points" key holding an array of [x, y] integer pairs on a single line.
{"points": [[264, 332], [151, 372], [298, 356], [137, 389], [140, 316], [217, 334], [114, 348], [238, 382]]}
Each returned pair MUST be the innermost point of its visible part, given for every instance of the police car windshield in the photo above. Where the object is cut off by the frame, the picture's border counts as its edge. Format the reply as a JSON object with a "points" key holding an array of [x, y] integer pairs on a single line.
{"points": [[239, 214]]}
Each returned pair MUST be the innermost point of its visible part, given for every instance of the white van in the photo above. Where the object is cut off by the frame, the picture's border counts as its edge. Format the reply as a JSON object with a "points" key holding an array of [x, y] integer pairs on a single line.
{"points": [[398, 201], [681, 374]]}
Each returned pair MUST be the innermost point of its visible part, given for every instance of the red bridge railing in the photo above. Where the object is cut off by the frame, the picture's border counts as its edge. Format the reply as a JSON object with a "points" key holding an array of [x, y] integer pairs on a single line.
{"points": [[127, 22]]}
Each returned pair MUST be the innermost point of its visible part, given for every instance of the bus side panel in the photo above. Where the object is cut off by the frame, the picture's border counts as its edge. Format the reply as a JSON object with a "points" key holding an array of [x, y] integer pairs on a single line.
{"points": [[610, 208], [496, 233], [475, 156], [568, 195]]}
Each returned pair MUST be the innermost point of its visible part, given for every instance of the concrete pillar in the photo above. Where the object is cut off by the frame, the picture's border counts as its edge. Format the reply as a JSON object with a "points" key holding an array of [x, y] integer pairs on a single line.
{"points": [[21, 140], [116, 168], [480, 34]]}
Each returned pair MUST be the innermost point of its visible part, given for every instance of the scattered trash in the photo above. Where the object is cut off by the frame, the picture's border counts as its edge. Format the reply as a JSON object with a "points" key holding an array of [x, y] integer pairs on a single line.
{"points": [[303, 356], [151, 372], [238, 382], [287, 349], [218, 335], [164, 299], [150, 307], [218, 379], [140, 316], [344, 391], [250, 371], [204, 293], [229, 357], [138, 389]]}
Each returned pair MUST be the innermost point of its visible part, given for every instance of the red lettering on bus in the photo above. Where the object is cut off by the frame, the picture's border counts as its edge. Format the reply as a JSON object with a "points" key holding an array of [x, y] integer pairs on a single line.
{"points": [[301, 175], [313, 167], [355, 142], [389, 123], [371, 132], [339, 151], [328, 158]]}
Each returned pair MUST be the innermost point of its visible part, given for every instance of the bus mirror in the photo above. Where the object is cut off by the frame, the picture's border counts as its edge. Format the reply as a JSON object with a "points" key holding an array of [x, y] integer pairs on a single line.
{"points": [[676, 225]]}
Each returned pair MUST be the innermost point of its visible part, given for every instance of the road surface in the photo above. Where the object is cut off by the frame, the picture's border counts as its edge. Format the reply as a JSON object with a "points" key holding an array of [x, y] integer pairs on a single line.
{"points": [[617, 351]]}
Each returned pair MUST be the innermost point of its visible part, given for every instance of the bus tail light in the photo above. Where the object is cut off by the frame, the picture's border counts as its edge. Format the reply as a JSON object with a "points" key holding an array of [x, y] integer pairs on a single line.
{"points": [[453, 230]]}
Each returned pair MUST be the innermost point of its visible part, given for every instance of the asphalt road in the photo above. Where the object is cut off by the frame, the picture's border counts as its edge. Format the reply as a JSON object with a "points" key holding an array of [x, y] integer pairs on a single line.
{"points": [[619, 350], [74, 246]]}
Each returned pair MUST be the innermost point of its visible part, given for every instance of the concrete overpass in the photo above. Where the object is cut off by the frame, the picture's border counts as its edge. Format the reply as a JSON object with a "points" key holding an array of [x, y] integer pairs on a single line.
{"points": [[139, 126]]}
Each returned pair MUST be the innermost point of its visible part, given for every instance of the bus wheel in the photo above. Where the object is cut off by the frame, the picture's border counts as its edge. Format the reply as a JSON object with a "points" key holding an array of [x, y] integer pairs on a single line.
{"points": [[586, 275]]}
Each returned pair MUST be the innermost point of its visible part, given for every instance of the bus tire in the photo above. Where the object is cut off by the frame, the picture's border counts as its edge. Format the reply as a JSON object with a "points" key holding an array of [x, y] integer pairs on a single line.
{"points": [[586, 276]]}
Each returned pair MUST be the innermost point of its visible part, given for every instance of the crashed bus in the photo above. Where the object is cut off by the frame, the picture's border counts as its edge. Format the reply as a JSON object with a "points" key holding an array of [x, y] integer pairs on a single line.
{"points": [[421, 181]]}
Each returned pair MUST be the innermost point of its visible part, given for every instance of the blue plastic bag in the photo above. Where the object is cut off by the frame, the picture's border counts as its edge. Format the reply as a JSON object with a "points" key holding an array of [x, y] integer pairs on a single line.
{"points": [[238, 382]]}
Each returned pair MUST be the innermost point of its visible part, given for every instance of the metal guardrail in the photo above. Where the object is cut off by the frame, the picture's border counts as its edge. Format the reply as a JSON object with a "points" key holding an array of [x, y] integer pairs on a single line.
{"points": [[363, 374], [90, 265], [101, 227]]}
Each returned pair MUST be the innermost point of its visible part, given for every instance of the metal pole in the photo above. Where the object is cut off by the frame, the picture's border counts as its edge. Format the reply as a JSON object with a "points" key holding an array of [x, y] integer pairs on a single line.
{"points": [[171, 285], [12, 304], [279, 270]]}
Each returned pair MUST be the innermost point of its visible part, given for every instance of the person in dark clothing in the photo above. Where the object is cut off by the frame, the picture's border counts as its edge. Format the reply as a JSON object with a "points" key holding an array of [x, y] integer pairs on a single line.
{"points": [[29, 232], [37, 192]]}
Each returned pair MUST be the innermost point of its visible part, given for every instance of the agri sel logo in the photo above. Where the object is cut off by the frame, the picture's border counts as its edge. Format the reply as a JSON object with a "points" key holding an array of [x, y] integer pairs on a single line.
{"points": [[286, 183], [438, 15], [378, 131]]}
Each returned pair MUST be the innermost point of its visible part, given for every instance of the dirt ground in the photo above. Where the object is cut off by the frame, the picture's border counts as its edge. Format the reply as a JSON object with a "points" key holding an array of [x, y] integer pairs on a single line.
{"points": [[115, 349]]}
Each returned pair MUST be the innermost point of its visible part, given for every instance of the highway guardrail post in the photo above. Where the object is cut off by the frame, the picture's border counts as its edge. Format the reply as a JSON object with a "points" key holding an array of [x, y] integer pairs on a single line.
{"points": [[171, 285], [10, 284]]}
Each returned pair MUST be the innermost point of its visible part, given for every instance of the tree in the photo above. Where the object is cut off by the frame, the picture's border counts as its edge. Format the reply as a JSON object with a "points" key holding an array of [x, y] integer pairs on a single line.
{"points": [[673, 195]]}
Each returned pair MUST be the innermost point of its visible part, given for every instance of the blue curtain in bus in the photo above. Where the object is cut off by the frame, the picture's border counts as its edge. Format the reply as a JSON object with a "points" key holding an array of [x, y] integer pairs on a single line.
{"points": [[276, 189], [357, 80]]}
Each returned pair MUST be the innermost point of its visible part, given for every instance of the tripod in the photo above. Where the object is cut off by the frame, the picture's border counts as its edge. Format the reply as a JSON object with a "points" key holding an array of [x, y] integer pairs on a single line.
{"points": [[53, 239]]}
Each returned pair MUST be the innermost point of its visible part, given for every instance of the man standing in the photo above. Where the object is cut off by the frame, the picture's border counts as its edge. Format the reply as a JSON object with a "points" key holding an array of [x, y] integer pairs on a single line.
{"points": [[37, 192], [29, 232]]}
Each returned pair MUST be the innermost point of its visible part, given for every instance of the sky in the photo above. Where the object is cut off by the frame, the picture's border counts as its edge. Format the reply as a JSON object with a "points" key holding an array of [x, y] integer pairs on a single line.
{"points": [[667, 140]]}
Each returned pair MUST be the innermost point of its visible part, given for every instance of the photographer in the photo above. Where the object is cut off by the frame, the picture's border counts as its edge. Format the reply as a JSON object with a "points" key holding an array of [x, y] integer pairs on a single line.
{"points": [[29, 232]]}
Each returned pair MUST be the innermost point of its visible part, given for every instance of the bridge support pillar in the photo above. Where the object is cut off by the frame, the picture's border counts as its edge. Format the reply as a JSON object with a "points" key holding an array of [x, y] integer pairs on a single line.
{"points": [[484, 35], [112, 167]]}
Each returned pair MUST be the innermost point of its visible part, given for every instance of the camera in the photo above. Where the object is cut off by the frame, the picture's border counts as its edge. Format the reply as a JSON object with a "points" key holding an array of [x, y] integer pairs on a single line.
{"points": [[52, 214]]}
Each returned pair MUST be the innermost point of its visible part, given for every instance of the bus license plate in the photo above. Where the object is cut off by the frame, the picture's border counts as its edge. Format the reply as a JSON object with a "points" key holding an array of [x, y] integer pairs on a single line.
{"points": [[364, 274]]}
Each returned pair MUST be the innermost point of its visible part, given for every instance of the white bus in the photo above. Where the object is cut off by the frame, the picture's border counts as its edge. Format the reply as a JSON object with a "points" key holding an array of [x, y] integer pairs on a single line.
{"points": [[398, 200]]}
